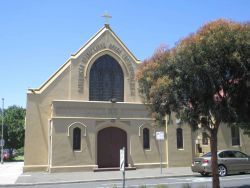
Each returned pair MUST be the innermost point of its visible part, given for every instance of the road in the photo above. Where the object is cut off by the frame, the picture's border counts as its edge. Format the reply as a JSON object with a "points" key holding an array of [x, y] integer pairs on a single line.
{"points": [[241, 181]]}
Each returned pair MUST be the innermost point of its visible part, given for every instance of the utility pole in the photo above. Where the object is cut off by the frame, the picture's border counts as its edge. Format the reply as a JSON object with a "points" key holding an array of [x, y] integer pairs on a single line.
{"points": [[2, 141]]}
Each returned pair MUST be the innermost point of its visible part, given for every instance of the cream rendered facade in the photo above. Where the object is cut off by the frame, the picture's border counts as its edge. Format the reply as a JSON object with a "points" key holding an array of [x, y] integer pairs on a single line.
{"points": [[63, 103]]}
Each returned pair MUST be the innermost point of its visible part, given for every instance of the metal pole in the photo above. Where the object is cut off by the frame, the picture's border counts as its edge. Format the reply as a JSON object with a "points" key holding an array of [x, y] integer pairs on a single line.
{"points": [[123, 184], [161, 155], [2, 131]]}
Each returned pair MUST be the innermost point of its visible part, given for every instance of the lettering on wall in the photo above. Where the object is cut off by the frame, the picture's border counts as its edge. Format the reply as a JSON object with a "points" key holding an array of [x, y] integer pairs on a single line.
{"points": [[81, 78], [119, 51]]}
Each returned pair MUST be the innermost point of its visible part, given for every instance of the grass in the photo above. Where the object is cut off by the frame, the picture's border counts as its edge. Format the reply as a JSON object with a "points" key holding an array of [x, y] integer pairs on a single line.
{"points": [[18, 158]]}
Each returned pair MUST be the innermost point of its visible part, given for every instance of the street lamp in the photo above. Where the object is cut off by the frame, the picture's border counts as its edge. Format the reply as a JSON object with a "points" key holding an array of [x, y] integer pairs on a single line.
{"points": [[2, 141]]}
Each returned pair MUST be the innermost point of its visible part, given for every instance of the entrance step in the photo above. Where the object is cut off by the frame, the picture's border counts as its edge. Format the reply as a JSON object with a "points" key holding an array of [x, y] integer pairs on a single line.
{"points": [[112, 169]]}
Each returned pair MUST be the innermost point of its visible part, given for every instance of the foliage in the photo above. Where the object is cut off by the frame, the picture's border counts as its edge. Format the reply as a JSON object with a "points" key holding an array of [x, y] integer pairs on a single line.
{"points": [[203, 79], [20, 151], [14, 127], [155, 83], [18, 158], [213, 68]]}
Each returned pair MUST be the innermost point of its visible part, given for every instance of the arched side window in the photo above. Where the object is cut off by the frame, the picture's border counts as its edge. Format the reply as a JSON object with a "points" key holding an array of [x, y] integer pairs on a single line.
{"points": [[76, 139], [146, 139], [205, 138], [235, 132], [179, 137]]}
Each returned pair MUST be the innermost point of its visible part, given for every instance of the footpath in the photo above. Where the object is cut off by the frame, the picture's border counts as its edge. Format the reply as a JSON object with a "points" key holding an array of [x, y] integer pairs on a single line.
{"points": [[11, 174]]}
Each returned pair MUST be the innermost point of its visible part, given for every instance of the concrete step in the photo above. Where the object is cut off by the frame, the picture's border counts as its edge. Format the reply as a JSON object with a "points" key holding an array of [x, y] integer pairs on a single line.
{"points": [[112, 169]]}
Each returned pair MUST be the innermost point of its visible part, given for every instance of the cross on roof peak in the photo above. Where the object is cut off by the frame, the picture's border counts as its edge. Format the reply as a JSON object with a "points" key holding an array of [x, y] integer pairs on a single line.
{"points": [[106, 17]]}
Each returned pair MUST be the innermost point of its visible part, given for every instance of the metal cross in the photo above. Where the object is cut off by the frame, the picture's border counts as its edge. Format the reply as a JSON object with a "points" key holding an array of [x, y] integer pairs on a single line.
{"points": [[106, 17]]}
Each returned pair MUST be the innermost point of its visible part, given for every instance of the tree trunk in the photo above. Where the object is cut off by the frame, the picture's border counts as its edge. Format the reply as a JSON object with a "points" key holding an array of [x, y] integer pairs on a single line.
{"points": [[213, 145]]}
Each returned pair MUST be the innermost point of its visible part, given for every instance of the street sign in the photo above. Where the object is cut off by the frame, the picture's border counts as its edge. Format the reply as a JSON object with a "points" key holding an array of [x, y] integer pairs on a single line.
{"points": [[2, 142], [160, 135], [122, 159]]}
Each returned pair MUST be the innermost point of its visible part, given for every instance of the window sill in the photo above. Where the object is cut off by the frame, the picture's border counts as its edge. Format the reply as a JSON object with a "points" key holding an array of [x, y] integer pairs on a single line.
{"points": [[180, 149]]}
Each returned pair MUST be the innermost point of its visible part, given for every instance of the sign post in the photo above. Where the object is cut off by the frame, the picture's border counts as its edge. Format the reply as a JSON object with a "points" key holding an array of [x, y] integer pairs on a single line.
{"points": [[2, 140], [122, 164], [160, 137]]}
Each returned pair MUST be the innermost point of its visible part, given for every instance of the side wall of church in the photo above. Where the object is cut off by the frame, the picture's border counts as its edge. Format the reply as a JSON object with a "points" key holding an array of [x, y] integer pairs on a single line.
{"points": [[147, 157], [62, 154], [178, 157], [38, 114], [225, 140]]}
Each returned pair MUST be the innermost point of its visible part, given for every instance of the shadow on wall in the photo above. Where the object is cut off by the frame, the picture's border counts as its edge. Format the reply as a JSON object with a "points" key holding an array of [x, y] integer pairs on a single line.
{"points": [[243, 186]]}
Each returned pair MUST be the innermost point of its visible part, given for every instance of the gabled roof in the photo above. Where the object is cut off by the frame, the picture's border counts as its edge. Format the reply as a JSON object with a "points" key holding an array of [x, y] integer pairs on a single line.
{"points": [[105, 28]]}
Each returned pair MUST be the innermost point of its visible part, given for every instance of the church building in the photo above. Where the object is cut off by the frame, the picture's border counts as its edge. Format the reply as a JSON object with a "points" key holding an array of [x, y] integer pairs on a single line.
{"points": [[81, 117]]}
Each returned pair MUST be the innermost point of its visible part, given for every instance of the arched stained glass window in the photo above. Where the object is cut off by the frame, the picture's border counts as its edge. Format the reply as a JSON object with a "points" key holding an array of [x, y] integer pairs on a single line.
{"points": [[106, 80], [146, 141], [179, 137], [76, 139]]}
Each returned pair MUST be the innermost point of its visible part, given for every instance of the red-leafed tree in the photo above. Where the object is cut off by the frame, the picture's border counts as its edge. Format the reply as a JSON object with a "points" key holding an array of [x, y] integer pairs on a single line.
{"points": [[207, 80]]}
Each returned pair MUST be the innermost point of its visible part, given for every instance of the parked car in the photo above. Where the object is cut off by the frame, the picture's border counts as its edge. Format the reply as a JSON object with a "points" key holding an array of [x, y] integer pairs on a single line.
{"points": [[229, 161]]}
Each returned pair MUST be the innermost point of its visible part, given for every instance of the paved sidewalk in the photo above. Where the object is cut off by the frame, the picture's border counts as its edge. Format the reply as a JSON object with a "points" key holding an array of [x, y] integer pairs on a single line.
{"points": [[16, 177], [10, 171]]}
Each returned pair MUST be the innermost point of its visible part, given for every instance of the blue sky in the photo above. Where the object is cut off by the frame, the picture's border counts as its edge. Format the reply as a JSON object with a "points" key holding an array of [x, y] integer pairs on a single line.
{"points": [[38, 36]]}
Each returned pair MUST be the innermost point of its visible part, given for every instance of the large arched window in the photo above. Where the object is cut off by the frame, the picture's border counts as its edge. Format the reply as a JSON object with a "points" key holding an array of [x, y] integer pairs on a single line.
{"points": [[76, 139], [179, 137], [106, 80], [146, 143]]}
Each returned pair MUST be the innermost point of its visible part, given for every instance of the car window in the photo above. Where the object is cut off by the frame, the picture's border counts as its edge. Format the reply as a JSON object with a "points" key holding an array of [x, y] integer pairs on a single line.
{"points": [[207, 154], [227, 154], [222, 155], [240, 155]]}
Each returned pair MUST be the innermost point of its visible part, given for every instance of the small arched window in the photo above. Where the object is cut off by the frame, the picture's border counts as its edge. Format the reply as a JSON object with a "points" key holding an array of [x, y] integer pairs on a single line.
{"points": [[76, 139], [146, 143], [179, 137], [235, 132], [205, 138]]}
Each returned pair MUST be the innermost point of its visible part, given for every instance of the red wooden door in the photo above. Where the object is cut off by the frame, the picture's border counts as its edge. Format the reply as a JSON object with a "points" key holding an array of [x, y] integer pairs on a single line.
{"points": [[109, 142]]}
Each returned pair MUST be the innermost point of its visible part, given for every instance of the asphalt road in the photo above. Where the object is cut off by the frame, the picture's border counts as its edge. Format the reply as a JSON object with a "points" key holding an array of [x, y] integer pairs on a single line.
{"points": [[241, 181]]}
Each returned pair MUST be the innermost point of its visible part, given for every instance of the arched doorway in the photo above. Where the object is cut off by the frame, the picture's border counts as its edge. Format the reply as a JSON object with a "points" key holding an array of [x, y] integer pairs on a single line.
{"points": [[106, 80], [109, 142]]}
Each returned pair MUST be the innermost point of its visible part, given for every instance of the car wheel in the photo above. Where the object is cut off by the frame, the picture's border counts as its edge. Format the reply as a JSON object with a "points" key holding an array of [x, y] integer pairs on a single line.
{"points": [[222, 170]]}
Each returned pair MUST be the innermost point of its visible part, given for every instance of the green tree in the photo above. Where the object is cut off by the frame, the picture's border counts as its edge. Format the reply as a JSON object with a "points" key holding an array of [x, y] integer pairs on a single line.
{"points": [[209, 81], [155, 83], [14, 127]]}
